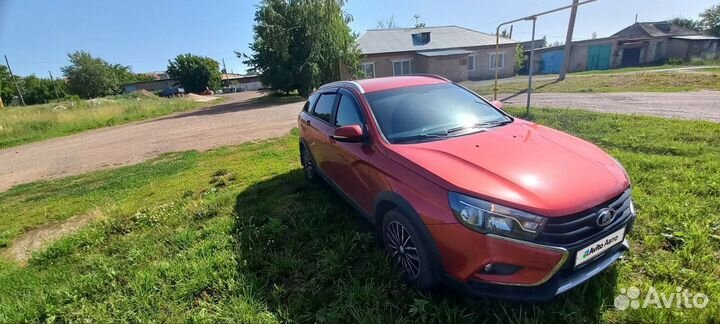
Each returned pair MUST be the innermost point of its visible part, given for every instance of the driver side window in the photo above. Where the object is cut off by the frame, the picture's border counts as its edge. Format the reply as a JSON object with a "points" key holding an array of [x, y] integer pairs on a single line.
{"points": [[348, 112]]}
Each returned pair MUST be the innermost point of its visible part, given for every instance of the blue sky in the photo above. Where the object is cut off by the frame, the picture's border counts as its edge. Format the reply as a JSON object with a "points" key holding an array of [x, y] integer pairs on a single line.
{"points": [[37, 35]]}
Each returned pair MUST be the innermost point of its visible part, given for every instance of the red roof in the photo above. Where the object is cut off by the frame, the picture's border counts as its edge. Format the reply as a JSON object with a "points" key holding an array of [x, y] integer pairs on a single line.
{"points": [[378, 84]]}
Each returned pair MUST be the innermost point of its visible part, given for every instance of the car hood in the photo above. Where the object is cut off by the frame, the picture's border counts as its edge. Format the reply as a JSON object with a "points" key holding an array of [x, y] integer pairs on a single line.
{"points": [[522, 165]]}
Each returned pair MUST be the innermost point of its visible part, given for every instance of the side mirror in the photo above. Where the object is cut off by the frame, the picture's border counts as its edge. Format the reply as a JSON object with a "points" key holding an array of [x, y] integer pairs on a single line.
{"points": [[349, 133], [497, 103]]}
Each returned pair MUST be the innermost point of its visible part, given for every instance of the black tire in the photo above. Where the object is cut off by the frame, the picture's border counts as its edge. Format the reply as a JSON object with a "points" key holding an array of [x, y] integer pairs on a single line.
{"points": [[308, 164], [408, 250]]}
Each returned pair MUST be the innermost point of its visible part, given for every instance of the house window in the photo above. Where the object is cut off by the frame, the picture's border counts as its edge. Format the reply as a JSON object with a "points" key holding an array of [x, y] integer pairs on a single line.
{"points": [[401, 67], [471, 63], [368, 69], [498, 63]]}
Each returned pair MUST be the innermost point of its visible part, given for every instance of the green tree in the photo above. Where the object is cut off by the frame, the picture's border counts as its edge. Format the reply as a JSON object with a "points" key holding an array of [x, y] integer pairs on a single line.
{"points": [[125, 74], [687, 23], [520, 58], [195, 72], [39, 90], [301, 44], [90, 77], [7, 90], [710, 20]]}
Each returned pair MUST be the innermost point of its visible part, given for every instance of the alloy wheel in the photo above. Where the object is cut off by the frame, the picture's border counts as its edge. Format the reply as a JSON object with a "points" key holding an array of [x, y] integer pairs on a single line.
{"points": [[402, 248]]}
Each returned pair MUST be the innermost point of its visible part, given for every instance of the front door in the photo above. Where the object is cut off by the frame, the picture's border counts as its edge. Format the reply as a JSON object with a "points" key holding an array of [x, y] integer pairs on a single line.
{"points": [[598, 57], [346, 162]]}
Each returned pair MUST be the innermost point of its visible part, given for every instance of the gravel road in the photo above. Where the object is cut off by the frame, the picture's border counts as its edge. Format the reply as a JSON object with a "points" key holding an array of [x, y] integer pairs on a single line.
{"points": [[237, 120], [703, 105], [240, 119]]}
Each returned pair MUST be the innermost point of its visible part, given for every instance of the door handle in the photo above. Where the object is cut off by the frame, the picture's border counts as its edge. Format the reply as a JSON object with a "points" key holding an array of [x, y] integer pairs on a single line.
{"points": [[307, 122]]}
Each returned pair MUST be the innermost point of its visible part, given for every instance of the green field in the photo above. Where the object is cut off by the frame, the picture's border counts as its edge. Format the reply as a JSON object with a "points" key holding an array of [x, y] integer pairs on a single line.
{"points": [[20, 125], [626, 82], [236, 235]]}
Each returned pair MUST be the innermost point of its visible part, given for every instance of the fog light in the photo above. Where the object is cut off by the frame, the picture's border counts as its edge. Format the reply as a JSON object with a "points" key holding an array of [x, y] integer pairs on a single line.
{"points": [[488, 267]]}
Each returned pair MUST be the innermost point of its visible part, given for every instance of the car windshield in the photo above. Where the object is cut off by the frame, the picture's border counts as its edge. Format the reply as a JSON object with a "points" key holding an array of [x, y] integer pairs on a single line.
{"points": [[431, 112]]}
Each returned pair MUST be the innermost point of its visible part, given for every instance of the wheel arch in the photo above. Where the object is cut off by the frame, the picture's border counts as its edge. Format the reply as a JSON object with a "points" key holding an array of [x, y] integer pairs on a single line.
{"points": [[388, 200]]}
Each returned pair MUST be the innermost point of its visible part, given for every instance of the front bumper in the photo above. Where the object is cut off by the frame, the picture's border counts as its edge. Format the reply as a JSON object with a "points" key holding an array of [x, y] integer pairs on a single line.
{"points": [[546, 272], [558, 283]]}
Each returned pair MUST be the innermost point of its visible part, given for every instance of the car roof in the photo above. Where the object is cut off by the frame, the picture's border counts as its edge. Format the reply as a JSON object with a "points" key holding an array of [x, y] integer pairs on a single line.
{"points": [[386, 83], [379, 84]]}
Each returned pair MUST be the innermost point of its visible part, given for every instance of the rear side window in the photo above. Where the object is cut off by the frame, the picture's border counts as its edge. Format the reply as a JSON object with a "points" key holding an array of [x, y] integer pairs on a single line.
{"points": [[310, 102], [348, 112], [324, 106]]}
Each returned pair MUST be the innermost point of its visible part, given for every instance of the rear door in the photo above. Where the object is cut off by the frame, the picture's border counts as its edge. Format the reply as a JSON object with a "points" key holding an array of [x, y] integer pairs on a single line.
{"points": [[346, 163], [318, 127]]}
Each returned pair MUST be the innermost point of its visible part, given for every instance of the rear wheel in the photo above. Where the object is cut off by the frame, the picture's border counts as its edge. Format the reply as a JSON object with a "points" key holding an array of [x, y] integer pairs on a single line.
{"points": [[308, 165], [408, 250]]}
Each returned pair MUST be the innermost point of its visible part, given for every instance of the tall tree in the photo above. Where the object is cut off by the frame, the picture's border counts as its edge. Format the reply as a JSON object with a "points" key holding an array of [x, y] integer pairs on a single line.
{"points": [[687, 23], [7, 91], [90, 77], [388, 23], [125, 74], [520, 58], [195, 72], [710, 19], [301, 44]]}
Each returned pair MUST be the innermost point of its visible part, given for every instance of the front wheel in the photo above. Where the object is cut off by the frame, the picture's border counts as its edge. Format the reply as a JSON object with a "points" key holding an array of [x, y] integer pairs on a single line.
{"points": [[407, 250]]}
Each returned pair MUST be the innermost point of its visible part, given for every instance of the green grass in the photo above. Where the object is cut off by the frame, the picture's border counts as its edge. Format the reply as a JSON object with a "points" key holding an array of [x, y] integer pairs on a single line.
{"points": [[20, 125], [631, 69], [715, 70], [236, 235], [629, 82]]}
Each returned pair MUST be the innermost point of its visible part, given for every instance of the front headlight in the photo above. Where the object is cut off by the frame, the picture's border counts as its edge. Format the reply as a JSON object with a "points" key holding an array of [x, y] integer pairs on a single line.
{"points": [[487, 217]]}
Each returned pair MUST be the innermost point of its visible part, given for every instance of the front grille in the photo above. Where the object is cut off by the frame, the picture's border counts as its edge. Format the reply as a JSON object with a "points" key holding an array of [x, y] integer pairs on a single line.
{"points": [[579, 228]]}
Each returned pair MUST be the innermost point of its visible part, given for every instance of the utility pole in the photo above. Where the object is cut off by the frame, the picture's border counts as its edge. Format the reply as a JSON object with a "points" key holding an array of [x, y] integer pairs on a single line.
{"points": [[568, 41], [57, 94], [530, 67], [227, 83], [14, 81]]}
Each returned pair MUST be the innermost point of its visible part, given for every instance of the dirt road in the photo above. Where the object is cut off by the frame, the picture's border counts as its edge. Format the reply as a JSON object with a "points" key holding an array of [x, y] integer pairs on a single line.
{"points": [[242, 119], [703, 105], [238, 120]]}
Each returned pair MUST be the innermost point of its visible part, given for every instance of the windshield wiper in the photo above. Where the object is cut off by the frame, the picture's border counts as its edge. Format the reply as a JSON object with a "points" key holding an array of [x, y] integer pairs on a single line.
{"points": [[420, 136], [493, 123]]}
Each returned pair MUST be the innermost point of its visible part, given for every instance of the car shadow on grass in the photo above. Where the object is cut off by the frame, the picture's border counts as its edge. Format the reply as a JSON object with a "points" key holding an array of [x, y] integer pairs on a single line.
{"points": [[313, 258]]}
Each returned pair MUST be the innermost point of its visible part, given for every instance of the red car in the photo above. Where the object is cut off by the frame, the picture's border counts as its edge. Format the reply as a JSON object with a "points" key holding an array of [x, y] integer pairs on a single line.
{"points": [[463, 193]]}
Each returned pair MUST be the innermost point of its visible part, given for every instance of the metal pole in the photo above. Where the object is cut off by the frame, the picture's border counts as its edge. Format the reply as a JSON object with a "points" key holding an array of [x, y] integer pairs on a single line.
{"points": [[225, 72], [57, 94], [568, 42], [14, 81], [497, 52], [497, 31], [530, 67]]}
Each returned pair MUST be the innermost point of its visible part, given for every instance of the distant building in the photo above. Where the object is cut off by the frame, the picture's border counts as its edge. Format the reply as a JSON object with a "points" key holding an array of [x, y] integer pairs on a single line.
{"points": [[453, 52], [643, 43], [163, 82]]}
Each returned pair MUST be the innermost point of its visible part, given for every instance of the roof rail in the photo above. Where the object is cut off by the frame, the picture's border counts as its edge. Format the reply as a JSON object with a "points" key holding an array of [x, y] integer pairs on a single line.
{"points": [[428, 75], [352, 84]]}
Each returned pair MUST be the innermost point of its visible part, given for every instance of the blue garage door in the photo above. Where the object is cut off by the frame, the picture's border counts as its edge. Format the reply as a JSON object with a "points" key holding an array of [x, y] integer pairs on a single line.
{"points": [[598, 57], [551, 62]]}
